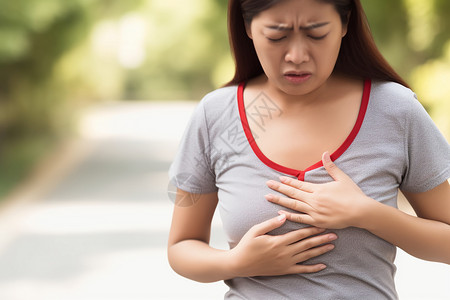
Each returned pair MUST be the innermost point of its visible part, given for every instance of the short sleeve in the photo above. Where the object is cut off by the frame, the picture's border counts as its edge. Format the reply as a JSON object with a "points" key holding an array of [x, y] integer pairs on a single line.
{"points": [[191, 169], [427, 152]]}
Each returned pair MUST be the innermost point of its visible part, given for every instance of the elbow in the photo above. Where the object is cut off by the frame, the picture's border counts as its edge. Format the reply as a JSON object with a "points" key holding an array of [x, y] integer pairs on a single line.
{"points": [[197, 263], [446, 259], [172, 260], [184, 267]]}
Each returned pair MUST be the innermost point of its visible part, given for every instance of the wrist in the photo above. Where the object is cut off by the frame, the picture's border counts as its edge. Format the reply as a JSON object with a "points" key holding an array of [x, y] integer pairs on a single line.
{"points": [[368, 213], [232, 264]]}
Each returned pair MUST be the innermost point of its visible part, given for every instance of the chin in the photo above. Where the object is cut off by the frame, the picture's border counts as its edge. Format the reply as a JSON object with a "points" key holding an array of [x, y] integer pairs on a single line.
{"points": [[296, 90]]}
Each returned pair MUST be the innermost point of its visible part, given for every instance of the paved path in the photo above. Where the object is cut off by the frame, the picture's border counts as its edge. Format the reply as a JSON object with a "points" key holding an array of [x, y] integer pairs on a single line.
{"points": [[92, 222]]}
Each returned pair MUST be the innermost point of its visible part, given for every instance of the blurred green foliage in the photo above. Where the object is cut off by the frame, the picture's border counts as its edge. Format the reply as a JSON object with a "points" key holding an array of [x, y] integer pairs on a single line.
{"points": [[35, 36], [35, 102], [57, 56], [187, 46]]}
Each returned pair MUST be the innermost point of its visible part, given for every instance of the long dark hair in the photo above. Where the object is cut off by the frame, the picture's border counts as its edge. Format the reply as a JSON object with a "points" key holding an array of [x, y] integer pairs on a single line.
{"points": [[358, 56]]}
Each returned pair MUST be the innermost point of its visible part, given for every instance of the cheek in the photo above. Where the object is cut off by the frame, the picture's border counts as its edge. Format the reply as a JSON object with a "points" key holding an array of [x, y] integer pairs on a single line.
{"points": [[329, 54], [268, 56]]}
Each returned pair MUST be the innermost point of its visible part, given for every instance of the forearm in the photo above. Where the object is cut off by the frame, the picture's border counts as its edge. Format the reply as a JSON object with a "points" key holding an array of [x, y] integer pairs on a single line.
{"points": [[422, 238], [198, 261]]}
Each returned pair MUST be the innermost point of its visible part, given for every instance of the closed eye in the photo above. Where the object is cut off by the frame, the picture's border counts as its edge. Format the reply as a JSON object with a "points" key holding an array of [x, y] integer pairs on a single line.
{"points": [[276, 40], [317, 38]]}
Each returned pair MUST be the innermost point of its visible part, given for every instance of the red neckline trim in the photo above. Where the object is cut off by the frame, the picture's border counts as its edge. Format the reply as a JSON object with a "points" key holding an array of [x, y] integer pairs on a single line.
{"points": [[300, 174]]}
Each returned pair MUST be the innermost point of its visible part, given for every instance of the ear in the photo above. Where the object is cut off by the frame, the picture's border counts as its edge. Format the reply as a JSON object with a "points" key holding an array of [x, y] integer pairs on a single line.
{"points": [[345, 26], [248, 29]]}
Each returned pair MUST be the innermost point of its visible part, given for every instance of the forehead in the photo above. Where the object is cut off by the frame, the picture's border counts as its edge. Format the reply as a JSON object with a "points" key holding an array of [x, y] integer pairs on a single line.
{"points": [[298, 11]]}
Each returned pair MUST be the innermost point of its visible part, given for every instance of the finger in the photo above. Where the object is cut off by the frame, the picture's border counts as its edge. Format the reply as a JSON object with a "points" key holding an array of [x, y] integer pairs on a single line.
{"points": [[289, 191], [314, 252], [300, 234], [313, 242], [269, 225], [301, 185], [303, 269], [296, 205], [299, 218], [336, 173]]}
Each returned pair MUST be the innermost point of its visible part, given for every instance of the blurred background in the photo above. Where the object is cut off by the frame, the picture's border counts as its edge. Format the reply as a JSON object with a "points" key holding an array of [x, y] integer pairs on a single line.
{"points": [[94, 96]]}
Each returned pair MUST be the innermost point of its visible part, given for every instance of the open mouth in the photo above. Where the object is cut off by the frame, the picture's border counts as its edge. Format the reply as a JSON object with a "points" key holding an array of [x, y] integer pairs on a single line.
{"points": [[295, 77]]}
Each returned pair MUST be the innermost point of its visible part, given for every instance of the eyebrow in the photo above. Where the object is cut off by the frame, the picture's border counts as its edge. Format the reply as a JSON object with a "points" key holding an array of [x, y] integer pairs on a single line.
{"points": [[282, 27]]}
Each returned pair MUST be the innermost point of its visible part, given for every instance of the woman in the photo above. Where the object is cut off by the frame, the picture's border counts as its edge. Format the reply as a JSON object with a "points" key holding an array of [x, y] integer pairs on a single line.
{"points": [[309, 80]]}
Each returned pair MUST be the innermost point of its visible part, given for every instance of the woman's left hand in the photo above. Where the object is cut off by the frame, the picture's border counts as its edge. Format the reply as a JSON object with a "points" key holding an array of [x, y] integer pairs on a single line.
{"points": [[333, 205]]}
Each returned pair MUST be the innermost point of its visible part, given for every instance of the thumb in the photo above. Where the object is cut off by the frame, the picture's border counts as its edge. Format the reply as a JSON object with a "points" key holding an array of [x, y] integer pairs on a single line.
{"points": [[269, 225], [336, 173]]}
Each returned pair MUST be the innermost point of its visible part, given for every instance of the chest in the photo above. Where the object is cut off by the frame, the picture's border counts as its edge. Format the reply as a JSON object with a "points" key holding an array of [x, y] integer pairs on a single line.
{"points": [[296, 147], [298, 143], [296, 136], [242, 187]]}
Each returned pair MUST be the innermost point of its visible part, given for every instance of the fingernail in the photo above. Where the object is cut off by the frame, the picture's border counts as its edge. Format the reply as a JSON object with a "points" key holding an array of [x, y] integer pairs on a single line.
{"points": [[284, 178], [326, 157], [281, 217], [269, 197], [332, 237], [330, 247], [321, 267]]}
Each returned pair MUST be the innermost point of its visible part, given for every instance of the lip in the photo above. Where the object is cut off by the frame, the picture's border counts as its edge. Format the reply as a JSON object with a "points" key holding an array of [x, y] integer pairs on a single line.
{"points": [[297, 77]]}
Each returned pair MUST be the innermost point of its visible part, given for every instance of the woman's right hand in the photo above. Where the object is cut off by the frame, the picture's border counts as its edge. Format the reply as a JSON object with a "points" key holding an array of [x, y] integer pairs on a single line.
{"points": [[260, 254]]}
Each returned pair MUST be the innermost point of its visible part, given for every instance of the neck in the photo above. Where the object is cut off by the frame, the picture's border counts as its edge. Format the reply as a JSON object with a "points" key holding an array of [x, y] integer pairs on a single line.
{"points": [[294, 104]]}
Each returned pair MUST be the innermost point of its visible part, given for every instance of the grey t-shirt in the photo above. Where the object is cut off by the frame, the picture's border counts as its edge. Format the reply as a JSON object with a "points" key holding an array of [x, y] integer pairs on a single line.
{"points": [[394, 144]]}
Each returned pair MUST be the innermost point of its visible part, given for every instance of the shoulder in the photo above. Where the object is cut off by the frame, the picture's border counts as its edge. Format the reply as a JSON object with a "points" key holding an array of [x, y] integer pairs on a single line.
{"points": [[220, 96], [216, 102], [393, 98], [398, 104], [392, 91], [214, 105]]}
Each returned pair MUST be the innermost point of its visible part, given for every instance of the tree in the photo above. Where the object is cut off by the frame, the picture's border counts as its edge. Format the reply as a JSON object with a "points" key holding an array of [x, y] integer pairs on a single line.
{"points": [[34, 108]]}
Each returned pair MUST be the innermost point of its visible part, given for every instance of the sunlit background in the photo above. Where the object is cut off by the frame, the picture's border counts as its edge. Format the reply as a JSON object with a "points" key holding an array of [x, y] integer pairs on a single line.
{"points": [[94, 96]]}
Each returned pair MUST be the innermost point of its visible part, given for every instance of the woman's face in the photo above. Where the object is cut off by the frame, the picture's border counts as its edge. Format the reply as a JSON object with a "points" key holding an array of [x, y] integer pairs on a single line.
{"points": [[297, 42]]}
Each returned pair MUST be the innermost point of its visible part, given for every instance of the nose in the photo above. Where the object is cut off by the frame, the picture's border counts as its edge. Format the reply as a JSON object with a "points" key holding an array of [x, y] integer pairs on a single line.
{"points": [[297, 53]]}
